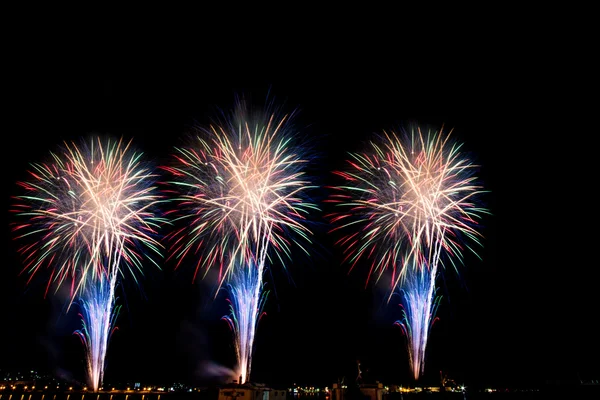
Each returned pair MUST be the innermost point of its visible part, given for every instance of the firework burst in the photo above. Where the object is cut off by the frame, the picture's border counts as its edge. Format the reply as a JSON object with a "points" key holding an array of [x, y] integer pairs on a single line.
{"points": [[240, 194], [406, 203], [88, 215], [409, 206]]}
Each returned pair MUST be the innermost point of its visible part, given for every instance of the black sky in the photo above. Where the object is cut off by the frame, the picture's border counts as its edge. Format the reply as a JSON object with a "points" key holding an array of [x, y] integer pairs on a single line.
{"points": [[524, 313]]}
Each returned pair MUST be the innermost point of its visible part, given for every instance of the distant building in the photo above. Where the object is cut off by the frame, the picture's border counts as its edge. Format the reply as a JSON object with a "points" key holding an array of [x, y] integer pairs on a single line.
{"points": [[337, 391], [368, 391], [250, 392], [372, 391]]}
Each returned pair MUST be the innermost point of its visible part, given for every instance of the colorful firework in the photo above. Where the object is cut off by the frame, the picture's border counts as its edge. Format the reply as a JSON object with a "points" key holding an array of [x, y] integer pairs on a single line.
{"points": [[240, 192], [88, 214], [411, 205], [407, 202]]}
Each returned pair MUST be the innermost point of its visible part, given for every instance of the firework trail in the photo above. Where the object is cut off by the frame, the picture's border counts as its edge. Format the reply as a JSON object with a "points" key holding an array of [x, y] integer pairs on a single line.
{"points": [[247, 299], [419, 308], [87, 215], [410, 205], [98, 316], [240, 193]]}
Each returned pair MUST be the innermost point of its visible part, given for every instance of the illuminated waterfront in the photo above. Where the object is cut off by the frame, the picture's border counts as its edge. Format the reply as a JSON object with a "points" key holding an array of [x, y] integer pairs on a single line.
{"points": [[100, 395], [583, 391]]}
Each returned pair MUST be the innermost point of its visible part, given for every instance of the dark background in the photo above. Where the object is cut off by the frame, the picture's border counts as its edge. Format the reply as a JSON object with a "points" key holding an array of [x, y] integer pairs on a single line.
{"points": [[523, 315]]}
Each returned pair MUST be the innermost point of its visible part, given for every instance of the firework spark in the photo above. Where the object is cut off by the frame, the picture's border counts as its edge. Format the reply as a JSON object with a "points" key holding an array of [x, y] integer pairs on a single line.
{"points": [[87, 215], [411, 205], [240, 190]]}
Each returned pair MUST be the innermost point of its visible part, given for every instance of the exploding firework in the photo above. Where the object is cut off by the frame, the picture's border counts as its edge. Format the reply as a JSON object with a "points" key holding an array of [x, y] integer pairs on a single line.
{"points": [[410, 205], [240, 192], [88, 214]]}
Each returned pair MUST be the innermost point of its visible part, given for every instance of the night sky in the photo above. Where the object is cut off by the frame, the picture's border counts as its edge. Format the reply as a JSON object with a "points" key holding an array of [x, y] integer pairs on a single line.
{"points": [[523, 314]]}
